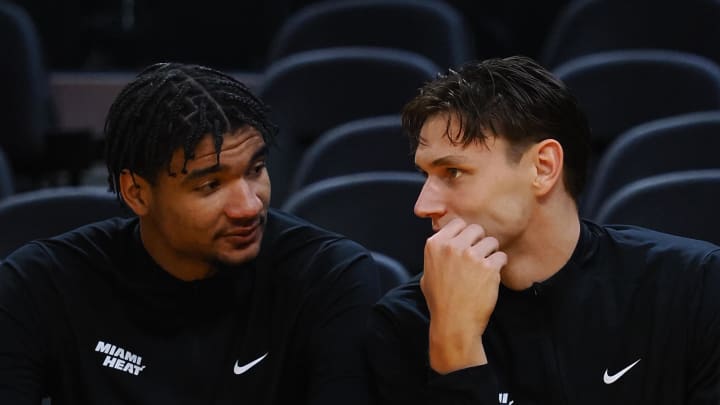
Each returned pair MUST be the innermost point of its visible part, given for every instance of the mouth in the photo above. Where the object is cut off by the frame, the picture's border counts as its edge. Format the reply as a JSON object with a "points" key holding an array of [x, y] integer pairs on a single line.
{"points": [[244, 231], [244, 235]]}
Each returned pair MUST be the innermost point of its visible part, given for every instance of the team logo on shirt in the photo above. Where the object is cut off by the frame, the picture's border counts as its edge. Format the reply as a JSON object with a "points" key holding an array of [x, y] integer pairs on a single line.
{"points": [[119, 358]]}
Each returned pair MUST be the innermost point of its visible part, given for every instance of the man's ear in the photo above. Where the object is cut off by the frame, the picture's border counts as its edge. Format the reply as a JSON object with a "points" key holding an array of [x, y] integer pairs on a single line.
{"points": [[136, 192], [548, 166]]}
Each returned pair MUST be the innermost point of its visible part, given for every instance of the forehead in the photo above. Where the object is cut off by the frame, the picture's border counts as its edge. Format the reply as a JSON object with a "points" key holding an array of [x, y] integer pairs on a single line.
{"points": [[440, 136], [243, 141], [440, 127]]}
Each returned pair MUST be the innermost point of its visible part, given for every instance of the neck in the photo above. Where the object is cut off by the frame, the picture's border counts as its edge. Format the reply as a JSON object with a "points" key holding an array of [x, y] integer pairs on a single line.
{"points": [[182, 268], [546, 246]]}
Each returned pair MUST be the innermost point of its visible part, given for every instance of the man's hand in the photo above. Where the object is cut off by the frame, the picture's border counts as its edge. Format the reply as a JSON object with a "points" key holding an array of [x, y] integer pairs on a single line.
{"points": [[460, 283]]}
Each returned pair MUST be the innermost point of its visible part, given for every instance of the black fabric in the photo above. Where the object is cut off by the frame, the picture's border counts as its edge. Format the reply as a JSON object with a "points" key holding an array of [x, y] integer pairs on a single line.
{"points": [[626, 294], [69, 303]]}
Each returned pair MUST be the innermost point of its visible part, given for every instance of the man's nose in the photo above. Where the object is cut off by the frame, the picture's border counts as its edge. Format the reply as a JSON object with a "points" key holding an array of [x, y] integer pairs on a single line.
{"points": [[243, 201], [429, 203]]}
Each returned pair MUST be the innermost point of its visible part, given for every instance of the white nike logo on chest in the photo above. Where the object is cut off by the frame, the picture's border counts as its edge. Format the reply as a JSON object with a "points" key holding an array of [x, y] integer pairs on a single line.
{"points": [[609, 379], [241, 369]]}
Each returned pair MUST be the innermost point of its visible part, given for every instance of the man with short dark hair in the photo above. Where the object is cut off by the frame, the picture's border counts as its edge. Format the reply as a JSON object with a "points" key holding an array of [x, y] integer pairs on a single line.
{"points": [[207, 296], [521, 301]]}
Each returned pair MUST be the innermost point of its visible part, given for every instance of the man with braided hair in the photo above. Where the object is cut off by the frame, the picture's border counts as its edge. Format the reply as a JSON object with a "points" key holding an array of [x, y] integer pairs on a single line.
{"points": [[205, 296]]}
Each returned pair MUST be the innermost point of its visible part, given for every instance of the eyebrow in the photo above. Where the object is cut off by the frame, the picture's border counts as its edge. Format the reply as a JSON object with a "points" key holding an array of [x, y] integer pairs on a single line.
{"points": [[449, 160], [202, 172]]}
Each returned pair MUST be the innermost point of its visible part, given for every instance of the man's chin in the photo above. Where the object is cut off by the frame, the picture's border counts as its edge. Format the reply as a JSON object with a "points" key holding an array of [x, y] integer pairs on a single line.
{"points": [[239, 256]]}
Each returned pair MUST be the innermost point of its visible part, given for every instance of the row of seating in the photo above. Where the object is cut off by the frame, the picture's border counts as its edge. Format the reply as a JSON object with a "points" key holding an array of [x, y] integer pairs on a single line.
{"points": [[682, 203], [439, 32], [313, 91], [35, 145], [582, 27], [431, 28], [443, 27], [590, 26], [684, 142], [648, 156], [650, 159], [620, 89], [363, 145], [128, 34], [375, 208], [680, 142]]}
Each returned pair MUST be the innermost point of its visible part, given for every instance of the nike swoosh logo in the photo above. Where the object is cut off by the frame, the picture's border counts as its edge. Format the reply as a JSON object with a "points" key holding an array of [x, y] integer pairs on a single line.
{"points": [[609, 379], [241, 369]]}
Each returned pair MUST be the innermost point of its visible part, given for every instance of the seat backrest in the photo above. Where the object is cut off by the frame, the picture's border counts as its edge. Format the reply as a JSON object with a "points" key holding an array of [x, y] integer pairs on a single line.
{"points": [[226, 35], [681, 203], [365, 145], [7, 184], [618, 90], [374, 209], [590, 26], [313, 91], [685, 142], [431, 28], [392, 272], [25, 110], [52, 211]]}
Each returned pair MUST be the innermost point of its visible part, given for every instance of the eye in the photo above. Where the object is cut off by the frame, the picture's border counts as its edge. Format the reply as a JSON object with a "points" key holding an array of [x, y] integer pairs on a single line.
{"points": [[208, 186], [258, 167], [453, 173]]}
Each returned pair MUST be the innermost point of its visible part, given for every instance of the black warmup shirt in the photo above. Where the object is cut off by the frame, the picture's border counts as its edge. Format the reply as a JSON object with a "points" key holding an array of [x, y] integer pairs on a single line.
{"points": [[89, 318], [632, 318]]}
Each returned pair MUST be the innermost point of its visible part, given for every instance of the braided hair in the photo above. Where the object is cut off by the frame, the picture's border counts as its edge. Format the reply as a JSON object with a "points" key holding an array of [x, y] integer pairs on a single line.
{"points": [[170, 106]]}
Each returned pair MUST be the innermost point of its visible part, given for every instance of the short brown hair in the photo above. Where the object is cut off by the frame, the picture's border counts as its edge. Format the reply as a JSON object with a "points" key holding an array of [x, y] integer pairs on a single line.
{"points": [[514, 98]]}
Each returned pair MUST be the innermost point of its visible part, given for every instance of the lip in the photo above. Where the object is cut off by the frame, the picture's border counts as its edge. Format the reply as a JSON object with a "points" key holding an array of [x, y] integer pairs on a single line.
{"points": [[242, 236], [245, 231]]}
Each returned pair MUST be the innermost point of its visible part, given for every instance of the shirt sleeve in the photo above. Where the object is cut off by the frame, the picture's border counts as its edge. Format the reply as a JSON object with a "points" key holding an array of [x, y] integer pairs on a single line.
{"points": [[23, 349], [338, 368], [704, 368], [402, 375]]}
